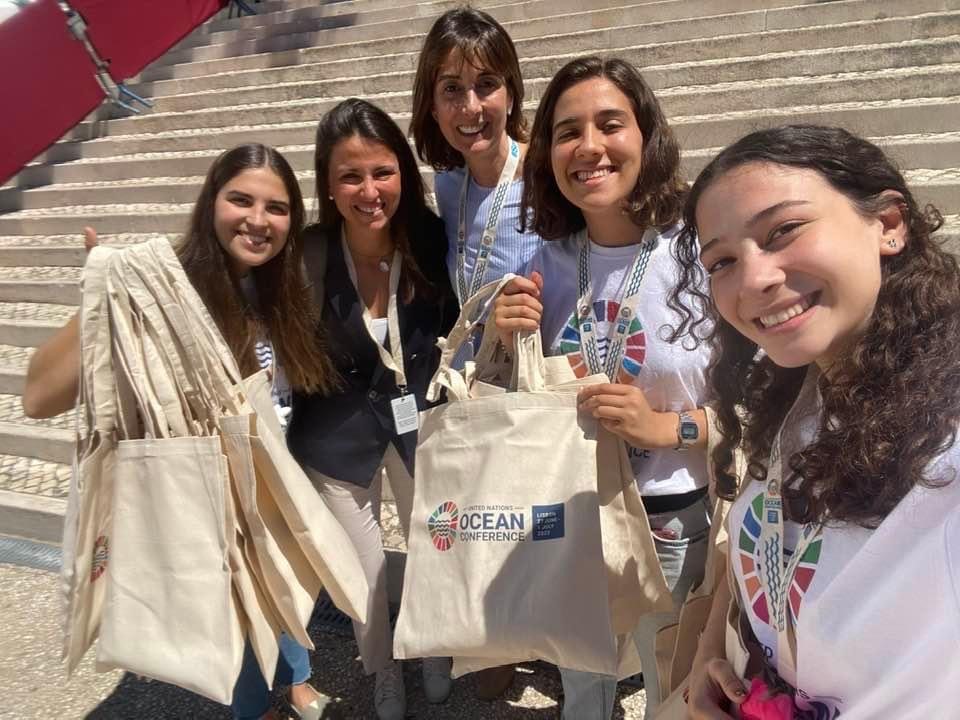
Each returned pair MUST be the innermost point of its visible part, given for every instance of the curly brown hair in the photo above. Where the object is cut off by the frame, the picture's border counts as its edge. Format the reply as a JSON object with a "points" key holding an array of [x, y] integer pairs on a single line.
{"points": [[892, 404], [481, 41], [285, 311], [657, 199]]}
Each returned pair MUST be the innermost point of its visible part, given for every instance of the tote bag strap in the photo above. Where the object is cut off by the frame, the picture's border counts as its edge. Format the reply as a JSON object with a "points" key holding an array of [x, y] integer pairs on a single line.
{"points": [[97, 389], [169, 326], [528, 371]]}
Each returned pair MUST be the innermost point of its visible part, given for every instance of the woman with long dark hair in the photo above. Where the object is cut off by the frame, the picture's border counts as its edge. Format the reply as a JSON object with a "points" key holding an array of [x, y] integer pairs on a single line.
{"points": [[835, 321], [242, 253], [386, 300]]}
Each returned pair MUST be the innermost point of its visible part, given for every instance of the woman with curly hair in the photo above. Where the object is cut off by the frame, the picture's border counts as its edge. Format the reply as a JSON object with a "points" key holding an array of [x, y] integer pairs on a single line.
{"points": [[602, 183], [835, 321]]}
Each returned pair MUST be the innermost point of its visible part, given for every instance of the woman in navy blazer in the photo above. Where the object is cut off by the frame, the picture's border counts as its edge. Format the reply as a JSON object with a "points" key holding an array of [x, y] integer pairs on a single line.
{"points": [[386, 299]]}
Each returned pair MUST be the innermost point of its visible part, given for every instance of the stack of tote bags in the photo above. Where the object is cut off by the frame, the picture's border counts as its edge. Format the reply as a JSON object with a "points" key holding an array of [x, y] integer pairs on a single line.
{"points": [[189, 526], [528, 538]]}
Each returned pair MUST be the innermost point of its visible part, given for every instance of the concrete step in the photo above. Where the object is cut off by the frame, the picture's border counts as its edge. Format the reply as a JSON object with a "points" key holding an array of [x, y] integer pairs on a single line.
{"points": [[871, 118], [27, 324], [725, 15], [664, 65], [13, 368], [371, 57], [940, 187], [43, 443], [930, 151], [940, 80], [911, 54], [656, 58], [276, 24]]}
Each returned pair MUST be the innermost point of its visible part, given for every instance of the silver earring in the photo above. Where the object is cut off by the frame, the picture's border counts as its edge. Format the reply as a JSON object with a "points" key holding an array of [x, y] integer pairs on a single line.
{"points": [[329, 197], [892, 243]]}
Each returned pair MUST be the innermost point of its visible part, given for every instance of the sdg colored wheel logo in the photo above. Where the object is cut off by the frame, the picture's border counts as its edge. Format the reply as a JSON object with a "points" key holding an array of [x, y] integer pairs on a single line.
{"points": [[442, 525]]}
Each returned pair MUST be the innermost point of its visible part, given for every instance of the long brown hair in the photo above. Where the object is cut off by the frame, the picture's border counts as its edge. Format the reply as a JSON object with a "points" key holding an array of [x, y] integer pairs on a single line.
{"points": [[481, 41], [284, 310], [657, 199], [893, 403]]}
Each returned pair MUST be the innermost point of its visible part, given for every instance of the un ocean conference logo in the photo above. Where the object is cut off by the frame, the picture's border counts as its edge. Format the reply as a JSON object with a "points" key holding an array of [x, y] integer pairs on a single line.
{"points": [[442, 525]]}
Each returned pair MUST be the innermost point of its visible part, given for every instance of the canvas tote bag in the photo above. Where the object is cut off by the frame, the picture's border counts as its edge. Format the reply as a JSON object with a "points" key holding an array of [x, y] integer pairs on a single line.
{"points": [[505, 521], [86, 536], [295, 508], [182, 377], [170, 611], [635, 581]]}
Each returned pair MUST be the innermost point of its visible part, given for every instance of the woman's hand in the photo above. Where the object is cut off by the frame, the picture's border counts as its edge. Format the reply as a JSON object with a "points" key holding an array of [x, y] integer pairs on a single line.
{"points": [[89, 238], [712, 685], [624, 411], [518, 307]]}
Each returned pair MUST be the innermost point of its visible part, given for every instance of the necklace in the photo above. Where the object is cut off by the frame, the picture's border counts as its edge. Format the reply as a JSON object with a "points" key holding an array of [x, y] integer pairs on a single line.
{"points": [[383, 261]]}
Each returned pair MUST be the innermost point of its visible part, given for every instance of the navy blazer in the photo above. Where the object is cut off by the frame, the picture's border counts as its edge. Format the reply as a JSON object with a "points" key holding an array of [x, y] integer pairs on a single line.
{"points": [[344, 435]]}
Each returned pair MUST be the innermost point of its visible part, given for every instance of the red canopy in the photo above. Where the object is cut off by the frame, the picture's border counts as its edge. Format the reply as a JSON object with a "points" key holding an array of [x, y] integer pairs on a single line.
{"points": [[130, 34], [48, 81]]}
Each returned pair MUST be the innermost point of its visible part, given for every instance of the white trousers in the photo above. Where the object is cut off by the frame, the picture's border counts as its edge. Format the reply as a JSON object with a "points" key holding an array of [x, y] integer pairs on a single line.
{"points": [[358, 510]]}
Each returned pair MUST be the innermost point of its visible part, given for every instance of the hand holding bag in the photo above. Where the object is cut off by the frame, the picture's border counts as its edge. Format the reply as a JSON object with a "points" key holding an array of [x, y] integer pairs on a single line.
{"points": [[505, 520]]}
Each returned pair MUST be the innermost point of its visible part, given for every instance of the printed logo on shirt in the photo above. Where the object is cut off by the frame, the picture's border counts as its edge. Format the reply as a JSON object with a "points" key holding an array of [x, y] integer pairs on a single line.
{"points": [[101, 552], [606, 312], [495, 524], [751, 564]]}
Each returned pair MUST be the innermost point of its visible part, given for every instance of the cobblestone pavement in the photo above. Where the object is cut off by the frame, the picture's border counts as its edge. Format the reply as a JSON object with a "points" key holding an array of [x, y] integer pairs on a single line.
{"points": [[33, 685]]}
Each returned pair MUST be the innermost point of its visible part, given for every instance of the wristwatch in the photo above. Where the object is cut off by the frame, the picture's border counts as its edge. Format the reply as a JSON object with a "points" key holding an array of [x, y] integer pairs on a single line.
{"points": [[687, 431]]}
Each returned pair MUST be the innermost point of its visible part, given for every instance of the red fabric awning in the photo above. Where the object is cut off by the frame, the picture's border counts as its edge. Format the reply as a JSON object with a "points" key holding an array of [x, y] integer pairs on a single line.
{"points": [[48, 83], [130, 34]]}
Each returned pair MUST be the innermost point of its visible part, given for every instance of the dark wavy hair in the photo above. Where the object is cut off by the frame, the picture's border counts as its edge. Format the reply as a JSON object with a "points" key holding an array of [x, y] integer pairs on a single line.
{"points": [[889, 406], [285, 310], [482, 42], [656, 200], [414, 222]]}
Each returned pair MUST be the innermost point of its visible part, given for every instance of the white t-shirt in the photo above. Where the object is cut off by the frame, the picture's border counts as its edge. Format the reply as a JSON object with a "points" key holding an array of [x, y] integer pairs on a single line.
{"points": [[671, 377], [877, 611], [380, 327]]}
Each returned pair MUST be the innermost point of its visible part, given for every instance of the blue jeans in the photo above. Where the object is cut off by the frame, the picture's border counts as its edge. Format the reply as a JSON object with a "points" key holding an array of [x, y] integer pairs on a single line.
{"points": [[251, 696], [681, 541]]}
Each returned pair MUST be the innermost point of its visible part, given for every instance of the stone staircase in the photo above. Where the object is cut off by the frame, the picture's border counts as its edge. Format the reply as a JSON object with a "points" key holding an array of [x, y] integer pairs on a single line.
{"points": [[887, 69]]}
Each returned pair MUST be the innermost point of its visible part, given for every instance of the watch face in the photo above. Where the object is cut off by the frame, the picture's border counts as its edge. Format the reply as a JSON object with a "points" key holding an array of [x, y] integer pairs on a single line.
{"points": [[689, 431]]}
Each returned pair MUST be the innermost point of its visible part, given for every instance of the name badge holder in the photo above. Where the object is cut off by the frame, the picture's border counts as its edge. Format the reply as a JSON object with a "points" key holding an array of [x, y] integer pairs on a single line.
{"points": [[779, 567], [404, 408], [627, 300], [489, 235]]}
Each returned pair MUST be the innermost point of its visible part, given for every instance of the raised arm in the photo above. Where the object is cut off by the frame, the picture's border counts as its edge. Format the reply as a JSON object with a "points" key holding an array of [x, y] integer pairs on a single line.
{"points": [[53, 376]]}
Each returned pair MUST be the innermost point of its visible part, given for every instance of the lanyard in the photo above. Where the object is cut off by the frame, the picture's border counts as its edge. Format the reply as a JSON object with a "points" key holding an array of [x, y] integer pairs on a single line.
{"points": [[489, 230], [777, 572], [392, 360], [629, 292]]}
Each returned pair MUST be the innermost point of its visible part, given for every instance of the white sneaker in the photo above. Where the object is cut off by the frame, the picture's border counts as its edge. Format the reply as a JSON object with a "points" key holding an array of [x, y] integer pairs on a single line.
{"points": [[389, 695], [436, 679]]}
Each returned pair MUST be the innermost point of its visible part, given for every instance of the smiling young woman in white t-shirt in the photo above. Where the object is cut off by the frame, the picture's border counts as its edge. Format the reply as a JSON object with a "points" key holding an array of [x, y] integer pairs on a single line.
{"points": [[602, 185], [837, 321]]}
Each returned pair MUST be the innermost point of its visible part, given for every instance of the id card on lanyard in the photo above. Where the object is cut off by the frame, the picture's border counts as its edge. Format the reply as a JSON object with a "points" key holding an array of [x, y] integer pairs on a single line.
{"points": [[777, 567], [405, 417], [465, 289], [627, 301]]}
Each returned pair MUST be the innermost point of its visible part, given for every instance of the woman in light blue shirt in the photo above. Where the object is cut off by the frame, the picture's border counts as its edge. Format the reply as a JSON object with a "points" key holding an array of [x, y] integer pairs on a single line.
{"points": [[468, 125]]}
